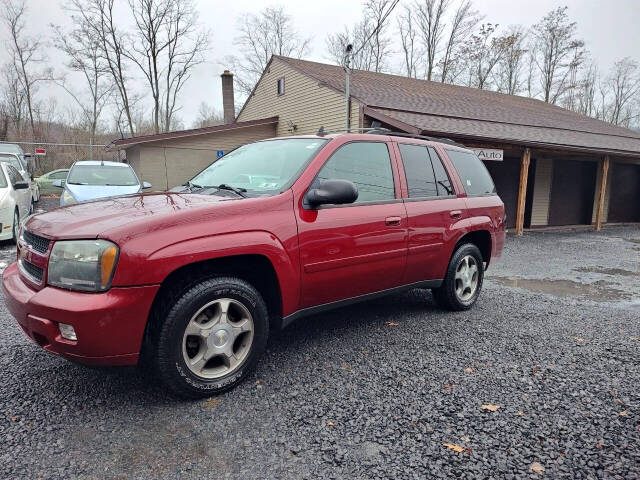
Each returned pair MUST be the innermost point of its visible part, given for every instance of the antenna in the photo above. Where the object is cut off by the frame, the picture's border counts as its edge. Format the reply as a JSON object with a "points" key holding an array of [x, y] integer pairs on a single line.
{"points": [[347, 95]]}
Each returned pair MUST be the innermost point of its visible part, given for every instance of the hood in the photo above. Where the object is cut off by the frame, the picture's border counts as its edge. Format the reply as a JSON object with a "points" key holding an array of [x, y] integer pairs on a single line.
{"points": [[146, 211], [82, 193]]}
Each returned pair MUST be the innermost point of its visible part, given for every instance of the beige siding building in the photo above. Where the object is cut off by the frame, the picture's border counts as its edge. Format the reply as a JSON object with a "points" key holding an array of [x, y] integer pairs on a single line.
{"points": [[554, 167]]}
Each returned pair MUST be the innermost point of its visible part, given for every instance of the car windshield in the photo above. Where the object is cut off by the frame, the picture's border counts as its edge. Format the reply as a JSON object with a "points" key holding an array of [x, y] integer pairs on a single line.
{"points": [[11, 160], [102, 175], [261, 167]]}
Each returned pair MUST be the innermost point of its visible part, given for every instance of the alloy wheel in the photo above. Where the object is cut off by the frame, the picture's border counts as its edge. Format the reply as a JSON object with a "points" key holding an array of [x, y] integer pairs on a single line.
{"points": [[218, 338], [466, 279]]}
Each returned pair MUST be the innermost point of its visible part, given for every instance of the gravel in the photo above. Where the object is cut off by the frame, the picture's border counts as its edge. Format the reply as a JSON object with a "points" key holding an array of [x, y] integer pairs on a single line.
{"points": [[347, 395]]}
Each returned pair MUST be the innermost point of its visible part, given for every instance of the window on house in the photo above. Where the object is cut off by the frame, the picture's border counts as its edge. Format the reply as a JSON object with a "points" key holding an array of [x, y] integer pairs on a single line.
{"points": [[280, 86]]}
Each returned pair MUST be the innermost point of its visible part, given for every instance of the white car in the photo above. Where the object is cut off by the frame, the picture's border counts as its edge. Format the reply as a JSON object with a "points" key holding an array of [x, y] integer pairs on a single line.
{"points": [[20, 163], [15, 201]]}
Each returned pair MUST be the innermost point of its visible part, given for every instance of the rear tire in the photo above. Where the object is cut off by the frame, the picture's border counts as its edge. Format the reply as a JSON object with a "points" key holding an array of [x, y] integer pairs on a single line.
{"points": [[463, 281], [15, 226], [211, 337]]}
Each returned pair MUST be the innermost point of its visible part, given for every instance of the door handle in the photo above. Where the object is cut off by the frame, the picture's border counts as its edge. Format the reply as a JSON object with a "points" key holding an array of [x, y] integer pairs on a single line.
{"points": [[455, 213], [392, 221]]}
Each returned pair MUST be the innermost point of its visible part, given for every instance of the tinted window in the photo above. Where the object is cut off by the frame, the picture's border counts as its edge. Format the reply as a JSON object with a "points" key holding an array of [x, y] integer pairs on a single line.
{"points": [[102, 175], [367, 164], [14, 175], [59, 175], [442, 179], [474, 175], [419, 172]]}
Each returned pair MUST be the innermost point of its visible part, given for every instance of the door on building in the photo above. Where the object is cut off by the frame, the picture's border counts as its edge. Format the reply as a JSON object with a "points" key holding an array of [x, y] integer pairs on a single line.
{"points": [[624, 197], [506, 177], [572, 192]]}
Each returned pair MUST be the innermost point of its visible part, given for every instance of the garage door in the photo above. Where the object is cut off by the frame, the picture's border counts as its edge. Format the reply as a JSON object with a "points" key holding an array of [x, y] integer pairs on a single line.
{"points": [[572, 190], [506, 176], [624, 200]]}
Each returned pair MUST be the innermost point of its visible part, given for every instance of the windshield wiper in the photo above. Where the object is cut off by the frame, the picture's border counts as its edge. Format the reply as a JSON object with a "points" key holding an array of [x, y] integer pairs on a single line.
{"points": [[237, 191], [192, 185]]}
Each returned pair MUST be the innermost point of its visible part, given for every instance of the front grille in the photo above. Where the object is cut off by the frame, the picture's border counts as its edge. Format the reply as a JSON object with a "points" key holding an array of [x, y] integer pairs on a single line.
{"points": [[32, 270], [36, 242]]}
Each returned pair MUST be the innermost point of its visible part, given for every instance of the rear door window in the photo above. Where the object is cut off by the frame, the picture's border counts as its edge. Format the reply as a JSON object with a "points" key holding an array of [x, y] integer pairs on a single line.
{"points": [[443, 182], [3, 180], [368, 165], [421, 181], [474, 175]]}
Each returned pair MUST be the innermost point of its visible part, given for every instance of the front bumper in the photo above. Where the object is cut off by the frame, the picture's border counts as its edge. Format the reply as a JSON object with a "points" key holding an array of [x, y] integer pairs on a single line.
{"points": [[109, 325]]}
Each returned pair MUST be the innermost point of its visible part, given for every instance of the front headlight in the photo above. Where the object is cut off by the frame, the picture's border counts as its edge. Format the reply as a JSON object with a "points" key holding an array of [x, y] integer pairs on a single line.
{"points": [[67, 198], [86, 265]]}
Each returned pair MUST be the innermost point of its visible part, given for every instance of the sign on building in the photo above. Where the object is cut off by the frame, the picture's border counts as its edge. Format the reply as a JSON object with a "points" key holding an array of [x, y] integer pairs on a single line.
{"points": [[489, 154]]}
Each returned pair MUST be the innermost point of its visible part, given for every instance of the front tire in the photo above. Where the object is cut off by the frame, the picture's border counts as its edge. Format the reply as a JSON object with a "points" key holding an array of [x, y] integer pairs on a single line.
{"points": [[211, 337], [463, 281], [15, 226]]}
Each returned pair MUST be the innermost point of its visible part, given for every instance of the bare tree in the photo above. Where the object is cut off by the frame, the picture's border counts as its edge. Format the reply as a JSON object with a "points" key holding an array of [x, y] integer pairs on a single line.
{"points": [[623, 88], [13, 99], [558, 53], [586, 95], [362, 58], [483, 52], [431, 23], [409, 39], [25, 55], [98, 17], [271, 32], [508, 75], [462, 24], [83, 50], [167, 45], [377, 15], [208, 116]]}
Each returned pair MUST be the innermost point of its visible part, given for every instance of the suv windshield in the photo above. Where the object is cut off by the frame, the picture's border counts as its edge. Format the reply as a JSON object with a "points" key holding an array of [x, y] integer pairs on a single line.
{"points": [[102, 175], [261, 167], [11, 160]]}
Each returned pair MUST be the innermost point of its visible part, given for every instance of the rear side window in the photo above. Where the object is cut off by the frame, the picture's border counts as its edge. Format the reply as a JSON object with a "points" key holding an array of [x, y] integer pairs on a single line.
{"points": [[3, 180], [474, 175], [442, 179], [421, 180], [367, 164]]}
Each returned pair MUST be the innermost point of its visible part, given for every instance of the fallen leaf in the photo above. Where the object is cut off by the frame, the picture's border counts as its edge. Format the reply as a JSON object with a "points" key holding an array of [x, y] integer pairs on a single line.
{"points": [[624, 413], [579, 339], [448, 387], [490, 407], [345, 367], [468, 370], [598, 445], [258, 382], [536, 369], [331, 424], [365, 352], [618, 401], [520, 413], [537, 468], [454, 447], [212, 402], [391, 324]]}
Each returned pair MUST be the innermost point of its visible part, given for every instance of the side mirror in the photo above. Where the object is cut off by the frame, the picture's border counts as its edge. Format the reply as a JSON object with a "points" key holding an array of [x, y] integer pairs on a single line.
{"points": [[146, 185], [20, 185], [57, 183], [334, 192]]}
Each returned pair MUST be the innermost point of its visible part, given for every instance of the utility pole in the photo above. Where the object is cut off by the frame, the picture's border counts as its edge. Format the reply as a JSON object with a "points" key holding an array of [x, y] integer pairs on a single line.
{"points": [[347, 95]]}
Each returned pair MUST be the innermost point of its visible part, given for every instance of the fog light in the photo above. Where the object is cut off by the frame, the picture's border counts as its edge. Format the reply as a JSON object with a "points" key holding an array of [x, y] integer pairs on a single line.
{"points": [[67, 331]]}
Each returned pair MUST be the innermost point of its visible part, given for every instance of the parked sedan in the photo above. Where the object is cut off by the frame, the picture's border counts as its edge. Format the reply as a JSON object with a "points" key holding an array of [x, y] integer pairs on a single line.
{"points": [[45, 182], [90, 180], [15, 201], [20, 163]]}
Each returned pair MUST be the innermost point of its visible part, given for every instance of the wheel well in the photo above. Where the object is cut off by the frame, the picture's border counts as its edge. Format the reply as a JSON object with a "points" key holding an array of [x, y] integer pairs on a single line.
{"points": [[254, 269], [481, 239]]}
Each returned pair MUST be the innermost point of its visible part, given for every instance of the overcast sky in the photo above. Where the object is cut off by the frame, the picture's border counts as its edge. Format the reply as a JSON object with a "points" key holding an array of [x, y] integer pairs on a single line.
{"points": [[609, 28]]}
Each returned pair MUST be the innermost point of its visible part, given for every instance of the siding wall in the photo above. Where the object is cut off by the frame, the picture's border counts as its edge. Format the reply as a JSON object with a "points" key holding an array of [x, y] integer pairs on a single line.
{"points": [[166, 164], [305, 103], [541, 192]]}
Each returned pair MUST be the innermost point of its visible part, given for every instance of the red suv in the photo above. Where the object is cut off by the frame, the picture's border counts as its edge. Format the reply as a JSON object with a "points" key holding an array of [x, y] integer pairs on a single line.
{"points": [[191, 281]]}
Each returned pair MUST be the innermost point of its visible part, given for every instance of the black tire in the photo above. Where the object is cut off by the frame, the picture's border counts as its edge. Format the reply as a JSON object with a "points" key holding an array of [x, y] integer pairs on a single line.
{"points": [[446, 296], [14, 227], [167, 358]]}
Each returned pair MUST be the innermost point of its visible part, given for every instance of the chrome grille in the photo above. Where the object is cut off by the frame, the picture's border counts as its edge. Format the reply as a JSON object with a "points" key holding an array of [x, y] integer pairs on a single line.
{"points": [[36, 242], [32, 270]]}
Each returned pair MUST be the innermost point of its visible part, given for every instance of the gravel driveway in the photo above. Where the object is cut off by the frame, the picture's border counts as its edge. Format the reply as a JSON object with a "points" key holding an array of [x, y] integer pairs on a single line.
{"points": [[539, 380]]}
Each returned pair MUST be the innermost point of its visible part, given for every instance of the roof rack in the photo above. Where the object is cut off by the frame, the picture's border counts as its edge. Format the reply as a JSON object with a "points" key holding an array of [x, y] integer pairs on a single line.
{"points": [[385, 131]]}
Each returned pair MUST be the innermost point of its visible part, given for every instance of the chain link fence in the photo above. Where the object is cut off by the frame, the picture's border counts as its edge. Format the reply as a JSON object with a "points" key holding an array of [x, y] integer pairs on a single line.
{"points": [[62, 155]]}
